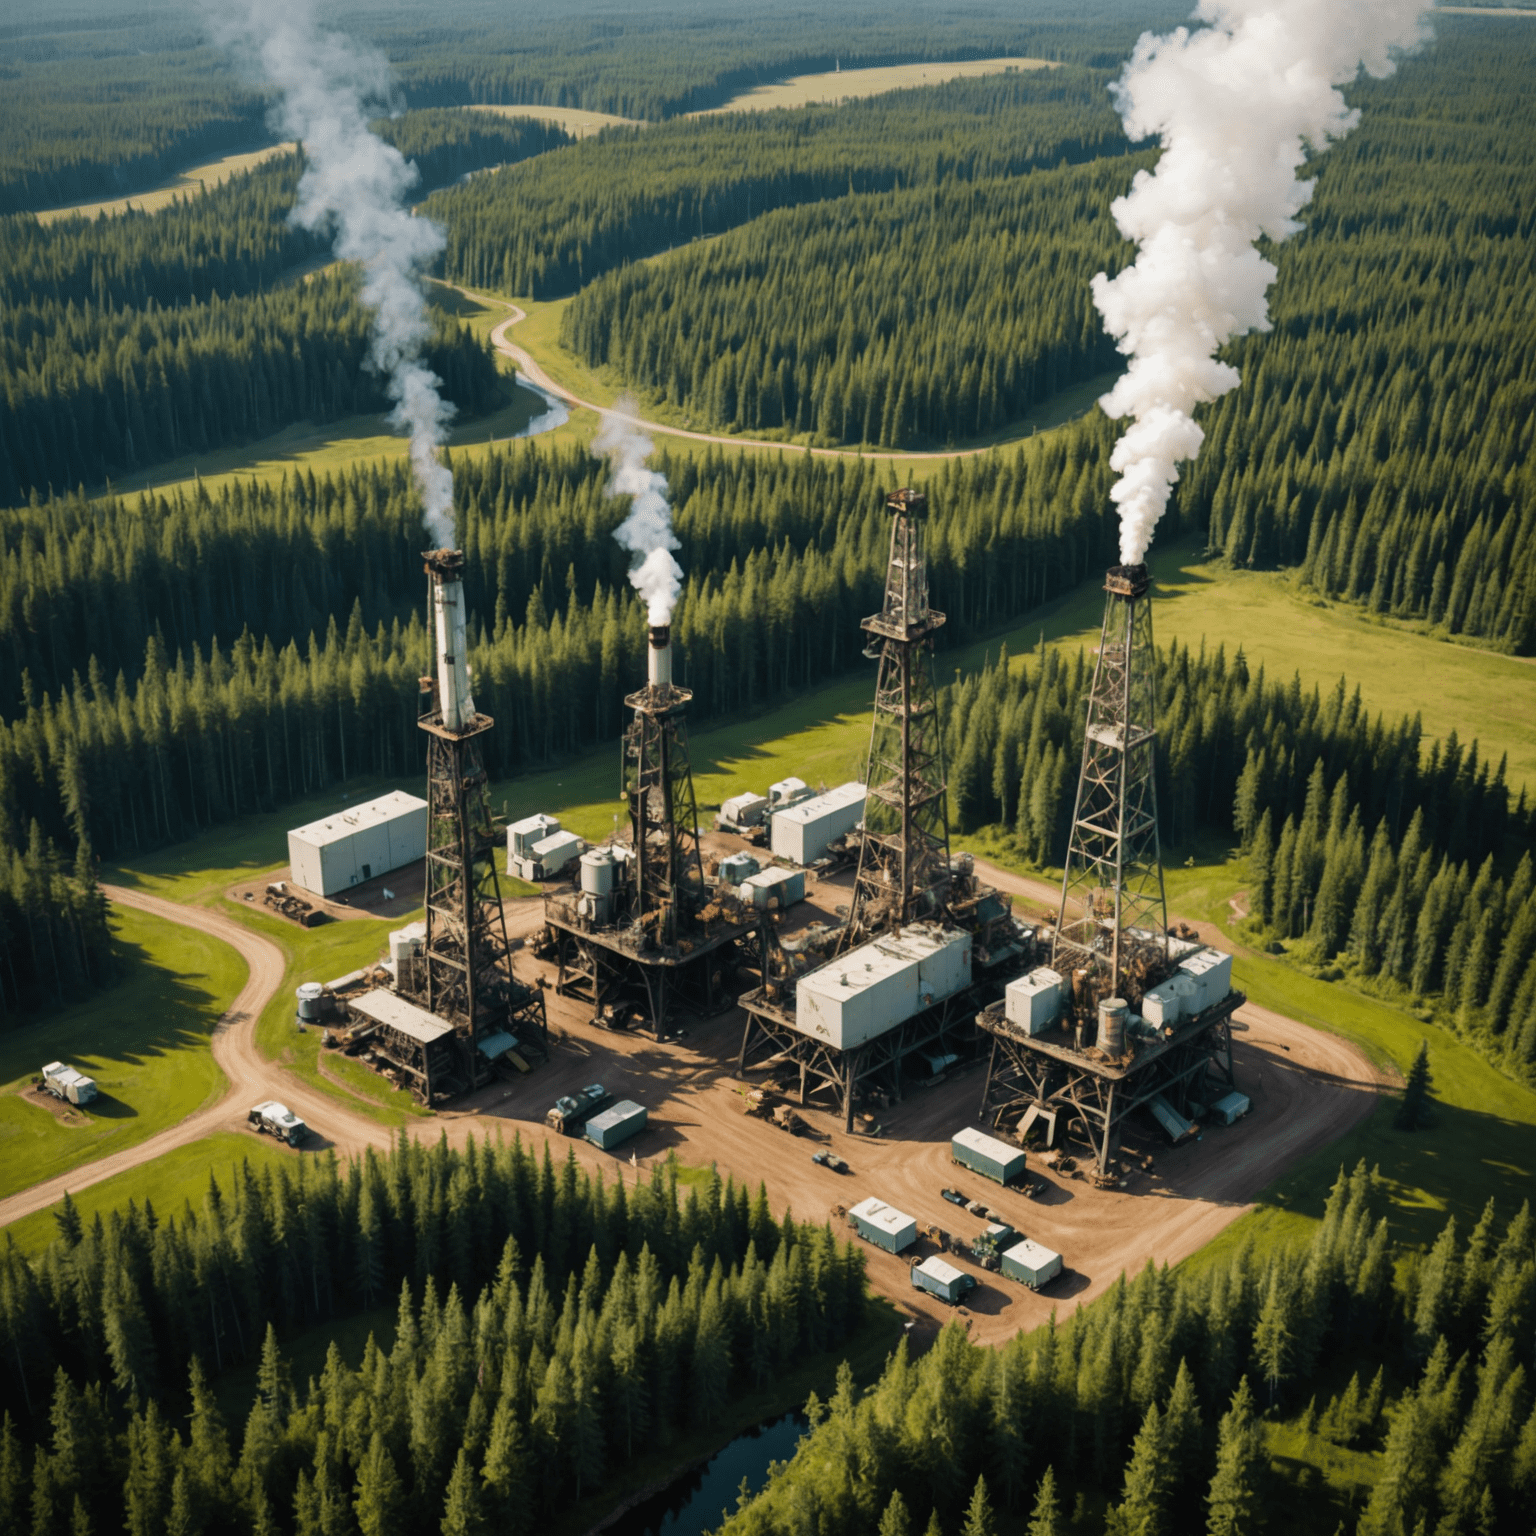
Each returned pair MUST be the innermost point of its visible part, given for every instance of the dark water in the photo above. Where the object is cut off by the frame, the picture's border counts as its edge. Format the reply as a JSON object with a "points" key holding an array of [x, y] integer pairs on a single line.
{"points": [[696, 1501]]}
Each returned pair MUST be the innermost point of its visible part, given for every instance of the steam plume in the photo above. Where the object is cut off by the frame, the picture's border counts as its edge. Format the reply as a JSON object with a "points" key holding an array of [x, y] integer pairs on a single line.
{"points": [[647, 531], [1235, 103], [355, 185]]}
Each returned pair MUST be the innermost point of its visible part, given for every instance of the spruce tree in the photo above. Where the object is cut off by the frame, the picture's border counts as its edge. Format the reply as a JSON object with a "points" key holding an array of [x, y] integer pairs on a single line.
{"points": [[379, 1499], [979, 1519], [896, 1521], [462, 1512], [1045, 1518], [1233, 1500], [1414, 1109]]}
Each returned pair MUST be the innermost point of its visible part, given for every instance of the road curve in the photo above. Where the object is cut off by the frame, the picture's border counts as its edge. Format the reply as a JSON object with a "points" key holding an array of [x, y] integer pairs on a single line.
{"points": [[531, 371], [251, 1077]]}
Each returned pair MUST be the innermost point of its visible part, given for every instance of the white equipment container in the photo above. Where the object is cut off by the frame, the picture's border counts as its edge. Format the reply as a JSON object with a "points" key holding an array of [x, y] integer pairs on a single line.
{"points": [[408, 942], [1188, 993], [1174, 1125], [857, 996], [943, 958], [1231, 1108], [1031, 1263], [787, 792], [274, 1119], [554, 853], [357, 844], [737, 867], [775, 887], [803, 832], [67, 1084], [311, 994], [522, 835], [1211, 972], [1033, 1002], [739, 811], [1161, 1005], [883, 1225]]}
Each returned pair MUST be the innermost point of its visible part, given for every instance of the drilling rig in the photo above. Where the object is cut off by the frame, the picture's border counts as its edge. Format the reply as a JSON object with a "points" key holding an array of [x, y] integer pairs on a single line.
{"points": [[1128, 1016]]}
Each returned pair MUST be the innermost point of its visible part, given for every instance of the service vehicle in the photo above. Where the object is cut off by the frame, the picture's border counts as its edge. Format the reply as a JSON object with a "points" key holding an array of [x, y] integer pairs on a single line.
{"points": [[989, 1248], [954, 1197], [274, 1119], [572, 1111], [830, 1160], [67, 1084]]}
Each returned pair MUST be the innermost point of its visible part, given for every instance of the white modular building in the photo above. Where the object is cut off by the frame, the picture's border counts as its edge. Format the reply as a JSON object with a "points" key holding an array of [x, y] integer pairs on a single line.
{"points": [[803, 832], [359, 843], [1033, 1002]]}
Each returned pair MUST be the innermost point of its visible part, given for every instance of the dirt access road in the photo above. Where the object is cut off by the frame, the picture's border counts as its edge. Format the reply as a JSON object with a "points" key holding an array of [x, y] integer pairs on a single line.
{"points": [[251, 1077], [537, 376]]}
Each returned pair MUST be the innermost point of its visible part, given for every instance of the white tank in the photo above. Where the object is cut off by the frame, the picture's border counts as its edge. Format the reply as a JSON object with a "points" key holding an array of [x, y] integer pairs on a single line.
{"points": [[597, 872], [309, 995]]}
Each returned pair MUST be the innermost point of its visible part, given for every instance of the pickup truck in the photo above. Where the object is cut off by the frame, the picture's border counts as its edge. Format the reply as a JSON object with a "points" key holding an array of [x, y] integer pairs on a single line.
{"points": [[572, 1111], [274, 1119]]}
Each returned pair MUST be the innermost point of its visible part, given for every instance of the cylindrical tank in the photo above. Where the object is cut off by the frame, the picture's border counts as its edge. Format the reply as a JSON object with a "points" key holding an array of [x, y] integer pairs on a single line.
{"points": [[451, 638], [310, 995], [659, 669], [1112, 1012], [597, 871]]}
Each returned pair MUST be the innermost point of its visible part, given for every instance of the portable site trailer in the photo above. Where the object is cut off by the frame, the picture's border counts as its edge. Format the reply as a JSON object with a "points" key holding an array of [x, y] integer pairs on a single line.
{"points": [[1231, 1108], [774, 887], [1031, 1263], [740, 812], [616, 1125], [883, 1225], [804, 831], [986, 1155], [943, 1280], [522, 835], [67, 1084]]}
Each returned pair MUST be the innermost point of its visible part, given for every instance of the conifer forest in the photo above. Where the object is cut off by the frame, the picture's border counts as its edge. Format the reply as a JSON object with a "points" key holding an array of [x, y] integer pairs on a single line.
{"points": [[212, 613]]}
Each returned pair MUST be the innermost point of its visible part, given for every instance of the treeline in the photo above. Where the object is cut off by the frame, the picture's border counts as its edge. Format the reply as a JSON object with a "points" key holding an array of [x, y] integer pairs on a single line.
{"points": [[1156, 1390], [785, 556], [108, 392], [130, 340], [1416, 865], [918, 316], [1385, 432], [550, 1327], [55, 945], [549, 226]]}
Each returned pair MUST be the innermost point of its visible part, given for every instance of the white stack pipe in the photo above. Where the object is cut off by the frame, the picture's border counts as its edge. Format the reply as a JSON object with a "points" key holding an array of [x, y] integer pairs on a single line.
{"points": [[458, 704], [660, 667]]}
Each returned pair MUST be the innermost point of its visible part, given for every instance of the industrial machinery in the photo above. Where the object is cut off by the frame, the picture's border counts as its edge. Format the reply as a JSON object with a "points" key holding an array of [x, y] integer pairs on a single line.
{"points": [[1128, 1015], [461, 982], [641, 925]]}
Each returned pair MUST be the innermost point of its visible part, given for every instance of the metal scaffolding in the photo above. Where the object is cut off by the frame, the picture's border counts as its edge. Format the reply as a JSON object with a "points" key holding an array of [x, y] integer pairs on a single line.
{"points": [[1114, 915], [903, 872]]}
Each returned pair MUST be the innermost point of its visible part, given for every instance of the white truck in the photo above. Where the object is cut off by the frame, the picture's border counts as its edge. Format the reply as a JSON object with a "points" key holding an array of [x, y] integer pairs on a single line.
{"points": [[67, 1084], [274, 1119]]}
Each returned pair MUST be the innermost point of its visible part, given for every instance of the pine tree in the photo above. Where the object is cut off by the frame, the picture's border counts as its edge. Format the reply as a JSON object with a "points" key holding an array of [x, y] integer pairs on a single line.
{"points": [[896, 1521], [1045, 1519], [1234, 1496], [1414, 1110], [1149, 1480], [462, 1513], [379, 1498], [979, 1519]]}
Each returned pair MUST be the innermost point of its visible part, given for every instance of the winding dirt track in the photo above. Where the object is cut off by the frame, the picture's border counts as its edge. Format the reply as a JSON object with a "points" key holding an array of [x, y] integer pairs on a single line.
{"points": [[251, 1077], [536, 375]]}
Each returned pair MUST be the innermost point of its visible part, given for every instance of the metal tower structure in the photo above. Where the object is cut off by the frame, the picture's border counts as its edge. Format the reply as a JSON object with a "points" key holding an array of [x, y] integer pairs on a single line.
{"points": [[466, 972], [903, 873], [1114, 915], [658, 784]]}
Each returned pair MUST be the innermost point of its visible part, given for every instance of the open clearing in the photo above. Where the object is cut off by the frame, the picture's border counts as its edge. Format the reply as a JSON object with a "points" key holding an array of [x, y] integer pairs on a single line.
{"points": [[851, 84], [577, 123], [199, 178], [144, 1041]]}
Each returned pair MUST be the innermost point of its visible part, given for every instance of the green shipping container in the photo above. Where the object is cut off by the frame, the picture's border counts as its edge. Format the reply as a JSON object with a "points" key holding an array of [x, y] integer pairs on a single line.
{"points": [[986, 1155], [616, 1125]]}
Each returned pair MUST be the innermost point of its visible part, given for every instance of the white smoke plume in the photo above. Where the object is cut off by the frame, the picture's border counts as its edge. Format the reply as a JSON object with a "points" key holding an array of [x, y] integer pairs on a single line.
{"points": [[647, 531], [1236, 104], [355, 186]]}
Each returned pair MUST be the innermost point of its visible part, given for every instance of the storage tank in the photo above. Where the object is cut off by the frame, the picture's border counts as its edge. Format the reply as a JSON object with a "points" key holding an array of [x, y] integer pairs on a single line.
{"points": [[310, 995], [597, 872], [1112, 1012]]}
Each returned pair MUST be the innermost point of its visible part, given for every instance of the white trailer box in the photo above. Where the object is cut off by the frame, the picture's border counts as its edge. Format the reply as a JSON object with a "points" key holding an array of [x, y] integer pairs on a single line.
{"points": [[883, 1225], [804, 831], [1162, 1005], [943, 958], [1031, 1263], [1033, 1002], [68, 1084], [522, 835], [857, 996], [739, 811], [554, 853], [359, 843], [1211, 972], [774, 887]]}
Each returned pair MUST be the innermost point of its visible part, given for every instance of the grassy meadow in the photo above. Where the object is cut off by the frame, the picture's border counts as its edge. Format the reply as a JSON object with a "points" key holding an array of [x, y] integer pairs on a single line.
{"points": [[198, 178], [852, 84], [144, 1040]]}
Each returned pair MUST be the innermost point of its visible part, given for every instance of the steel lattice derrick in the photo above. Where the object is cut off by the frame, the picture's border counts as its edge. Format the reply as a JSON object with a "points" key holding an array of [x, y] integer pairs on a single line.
{"points": [[1114, 915], [903, 872]]}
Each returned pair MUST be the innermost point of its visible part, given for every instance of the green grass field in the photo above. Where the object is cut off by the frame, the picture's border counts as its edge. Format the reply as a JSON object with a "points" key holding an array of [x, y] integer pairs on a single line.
{"points": [[144, 1041], [853, 84], [170, 1182]]}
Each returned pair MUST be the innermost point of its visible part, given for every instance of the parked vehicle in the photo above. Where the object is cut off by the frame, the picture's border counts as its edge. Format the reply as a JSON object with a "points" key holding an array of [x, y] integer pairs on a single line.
{"points": [[830, 1160], [274, 1119], [67, 1084], [572, 1111], [954, 1197], [989, 1248]]}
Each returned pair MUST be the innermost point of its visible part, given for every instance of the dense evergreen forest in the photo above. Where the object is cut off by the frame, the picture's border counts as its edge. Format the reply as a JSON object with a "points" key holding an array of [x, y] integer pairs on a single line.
{"points": [[548, 226], [1155, 1392], [550, 1327], [130, 340], [1407, 862]]}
